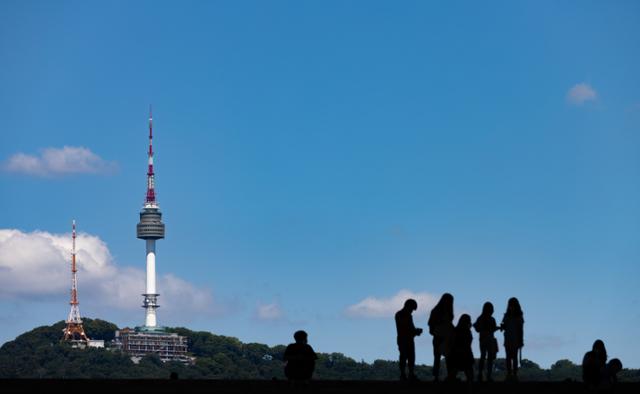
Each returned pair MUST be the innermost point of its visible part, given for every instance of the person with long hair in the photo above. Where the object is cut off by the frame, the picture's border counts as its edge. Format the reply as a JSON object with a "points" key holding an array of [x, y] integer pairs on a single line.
{"points": [[460, 357], [513, 327], [441, 327], [594, 364], [485, 325]]}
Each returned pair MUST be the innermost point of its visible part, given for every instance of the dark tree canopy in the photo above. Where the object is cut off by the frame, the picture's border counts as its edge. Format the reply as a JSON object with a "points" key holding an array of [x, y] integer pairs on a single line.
{"points": [[40, 354]]}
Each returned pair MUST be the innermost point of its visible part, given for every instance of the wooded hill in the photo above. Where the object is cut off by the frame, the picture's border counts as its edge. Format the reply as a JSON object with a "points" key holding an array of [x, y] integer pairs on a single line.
{"points": [[40, 354]]}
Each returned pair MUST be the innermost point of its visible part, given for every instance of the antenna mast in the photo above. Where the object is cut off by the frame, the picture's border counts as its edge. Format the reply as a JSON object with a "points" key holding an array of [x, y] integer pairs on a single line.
{"points": [[74, 330], [151, 192]]}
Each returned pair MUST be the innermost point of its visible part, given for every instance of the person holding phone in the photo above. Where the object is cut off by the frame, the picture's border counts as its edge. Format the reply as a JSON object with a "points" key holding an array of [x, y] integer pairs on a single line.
{"points": [[406, 334]]}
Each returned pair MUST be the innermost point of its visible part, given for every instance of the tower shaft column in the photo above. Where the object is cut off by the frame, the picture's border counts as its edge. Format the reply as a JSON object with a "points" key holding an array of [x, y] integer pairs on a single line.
{"points": [[151, 297], [150, 317], [151, 266]]}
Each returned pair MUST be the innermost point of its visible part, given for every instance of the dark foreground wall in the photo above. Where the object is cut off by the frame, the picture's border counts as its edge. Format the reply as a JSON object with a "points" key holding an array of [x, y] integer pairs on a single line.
{"points": [[279, 386]]}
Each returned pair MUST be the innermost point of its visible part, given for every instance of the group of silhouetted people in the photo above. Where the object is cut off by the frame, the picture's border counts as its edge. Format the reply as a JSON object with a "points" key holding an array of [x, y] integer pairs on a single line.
{"points": [[454, 343]]}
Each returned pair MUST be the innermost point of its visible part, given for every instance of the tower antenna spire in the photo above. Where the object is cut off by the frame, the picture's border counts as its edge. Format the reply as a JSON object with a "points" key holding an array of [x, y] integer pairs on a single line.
{"points": [[74, 330], [151, 191]]}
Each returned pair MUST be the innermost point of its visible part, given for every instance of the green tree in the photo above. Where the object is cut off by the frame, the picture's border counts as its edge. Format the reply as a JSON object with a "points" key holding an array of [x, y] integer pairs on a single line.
{"points": [[565, 370]]}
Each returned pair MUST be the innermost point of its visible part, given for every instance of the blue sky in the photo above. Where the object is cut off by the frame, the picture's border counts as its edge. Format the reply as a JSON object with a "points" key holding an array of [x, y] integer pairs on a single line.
{"points": [[316, 159]]}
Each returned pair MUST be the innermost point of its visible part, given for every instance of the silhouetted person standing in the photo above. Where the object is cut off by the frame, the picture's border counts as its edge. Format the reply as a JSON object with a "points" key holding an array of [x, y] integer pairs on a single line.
{"points": [[441, 327], [594, 364], [300, 358], [406, 333], [513, 326], [485, 325], [460, 357]]}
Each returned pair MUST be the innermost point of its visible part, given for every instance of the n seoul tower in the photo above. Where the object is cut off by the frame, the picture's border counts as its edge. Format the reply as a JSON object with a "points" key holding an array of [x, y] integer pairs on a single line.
{"points": [[150, 228]]}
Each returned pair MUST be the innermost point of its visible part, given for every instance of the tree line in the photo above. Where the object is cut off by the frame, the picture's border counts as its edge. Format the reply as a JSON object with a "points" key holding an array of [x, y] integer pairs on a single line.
{"points": [[39, 353]]}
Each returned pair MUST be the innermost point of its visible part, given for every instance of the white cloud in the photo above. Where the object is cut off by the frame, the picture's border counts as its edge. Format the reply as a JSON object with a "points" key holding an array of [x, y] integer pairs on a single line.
{"points": [[37, 265], [59, 161], [372, 307], [581, 93], [271, 311]]}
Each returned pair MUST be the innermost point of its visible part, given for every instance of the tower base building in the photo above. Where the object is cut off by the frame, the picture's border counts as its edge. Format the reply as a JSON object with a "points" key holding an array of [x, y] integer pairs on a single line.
{"points": [[142, 341]]}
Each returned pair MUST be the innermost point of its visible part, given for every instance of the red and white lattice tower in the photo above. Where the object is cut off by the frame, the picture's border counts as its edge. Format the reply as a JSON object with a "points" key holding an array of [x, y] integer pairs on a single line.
{"points": [[74, 330]]}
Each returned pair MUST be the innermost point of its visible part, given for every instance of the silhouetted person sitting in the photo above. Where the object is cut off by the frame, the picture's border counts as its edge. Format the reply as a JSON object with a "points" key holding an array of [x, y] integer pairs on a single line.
{"points": [[300, 358], [441, 327], [460, 357], [614, 366], [594, 364], [485, 325], [513, 327], [406, 333]]}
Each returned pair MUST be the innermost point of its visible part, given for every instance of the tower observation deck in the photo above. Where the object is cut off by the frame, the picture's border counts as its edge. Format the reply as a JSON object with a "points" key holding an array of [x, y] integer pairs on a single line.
{"points": [[150, 225]]}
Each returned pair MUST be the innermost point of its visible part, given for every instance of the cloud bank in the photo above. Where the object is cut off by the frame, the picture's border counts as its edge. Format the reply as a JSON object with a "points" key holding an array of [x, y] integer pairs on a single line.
{"points": [[373, 307], [59, 161], [581, 93], [36, 265]]}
